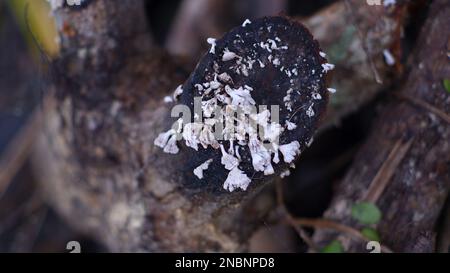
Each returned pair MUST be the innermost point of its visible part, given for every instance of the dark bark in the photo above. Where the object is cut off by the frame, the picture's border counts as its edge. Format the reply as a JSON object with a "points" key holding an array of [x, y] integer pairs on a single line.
{"points": [[404, 165]]}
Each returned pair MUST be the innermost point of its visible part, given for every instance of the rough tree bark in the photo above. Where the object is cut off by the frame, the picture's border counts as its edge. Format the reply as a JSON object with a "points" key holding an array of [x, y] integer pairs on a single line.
{"points": [[404, 166]]}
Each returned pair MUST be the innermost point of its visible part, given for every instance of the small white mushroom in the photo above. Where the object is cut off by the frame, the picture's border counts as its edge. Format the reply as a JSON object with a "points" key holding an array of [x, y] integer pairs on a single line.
{"points": [[246, 22], [212, 42], [290, 125], [290, 150], [236, 179], [327, 67], [390, 60], [178, 92], [285, 173], [331, 90], [203, 167], [228, 55], [228, 160]]}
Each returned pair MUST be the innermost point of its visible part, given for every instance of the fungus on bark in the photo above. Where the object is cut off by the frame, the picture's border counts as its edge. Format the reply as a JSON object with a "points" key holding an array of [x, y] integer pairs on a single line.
{"points": [[270, 63]]}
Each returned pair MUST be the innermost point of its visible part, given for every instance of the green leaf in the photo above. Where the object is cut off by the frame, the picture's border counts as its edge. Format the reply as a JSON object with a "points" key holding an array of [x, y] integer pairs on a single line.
{"points": [[366, 213], [370, 234], [333, 247], [446, 85]]}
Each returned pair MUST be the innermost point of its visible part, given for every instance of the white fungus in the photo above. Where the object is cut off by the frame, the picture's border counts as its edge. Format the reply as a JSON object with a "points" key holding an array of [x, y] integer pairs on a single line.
{"points": [[310, 112], [171, 146], [228, 160], [390, 60], [276, 158], [276, 62], [316, 96], [168, 99], [287, 99], [162, 138], [285, 173], [167, 141], [207, 137], [261, 64], [228, 55], [272, 131], [290, 150], [260, 157], [178, 92], [310, 142], [179, 125], [246, 22], [236, 152], [199, 87], [290, 125], [327, 67], [209, 106], [212, 42], [219, 90], [203, 167], [331, 90], [191, 133], [236, 179], [262, 118], [240, 96], [225, 77]]}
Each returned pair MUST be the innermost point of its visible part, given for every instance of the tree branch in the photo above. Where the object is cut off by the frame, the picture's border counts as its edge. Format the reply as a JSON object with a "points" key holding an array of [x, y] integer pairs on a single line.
{"points": [[355, 37], [415, 192], [98, 37], [105, 168]]}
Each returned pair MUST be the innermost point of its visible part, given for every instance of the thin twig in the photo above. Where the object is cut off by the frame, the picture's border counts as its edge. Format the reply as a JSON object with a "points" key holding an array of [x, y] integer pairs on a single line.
{"points": [[42, 216], [386, 171], [328, 224], [302, 233], [426, 106], [17, 152], [26, 207]]}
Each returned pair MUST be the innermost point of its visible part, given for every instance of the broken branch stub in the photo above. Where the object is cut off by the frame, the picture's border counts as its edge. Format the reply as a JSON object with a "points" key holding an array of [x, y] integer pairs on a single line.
{"points": [[255, 100], [100, 161]]}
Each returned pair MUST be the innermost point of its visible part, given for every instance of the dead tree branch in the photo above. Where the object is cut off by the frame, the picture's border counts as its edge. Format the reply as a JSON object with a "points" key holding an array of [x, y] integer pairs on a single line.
{"points": [[413, 195], [97, 157]]}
